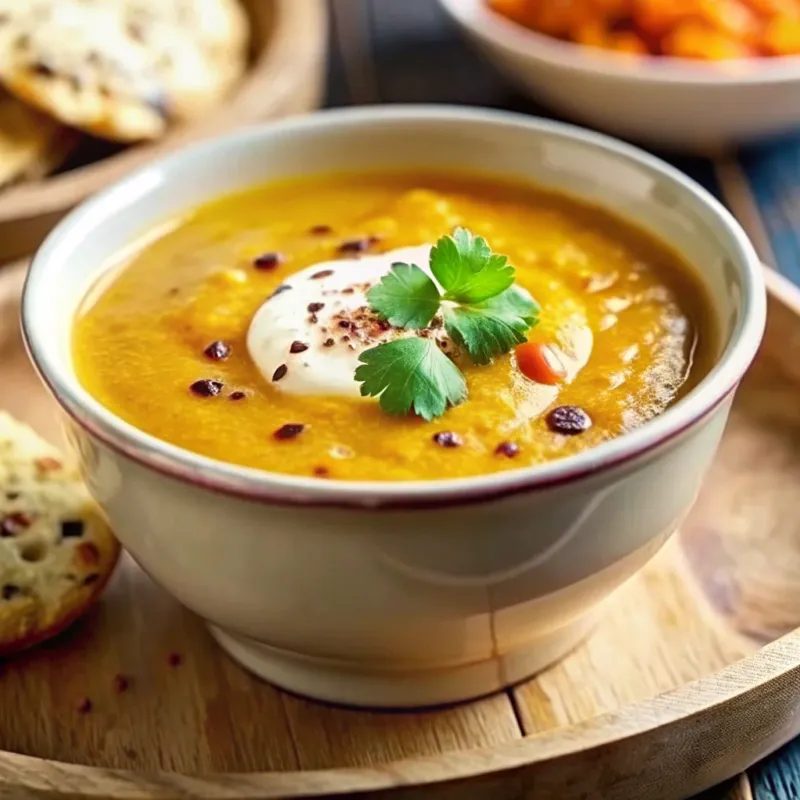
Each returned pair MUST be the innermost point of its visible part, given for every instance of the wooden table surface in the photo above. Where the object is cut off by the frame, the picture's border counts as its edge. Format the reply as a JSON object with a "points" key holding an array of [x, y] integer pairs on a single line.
{"points": [[406, 51]]}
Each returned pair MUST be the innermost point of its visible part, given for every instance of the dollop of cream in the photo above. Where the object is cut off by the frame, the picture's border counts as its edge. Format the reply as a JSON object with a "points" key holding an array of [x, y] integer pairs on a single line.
{"points": [[307, 337], [319, 322]]}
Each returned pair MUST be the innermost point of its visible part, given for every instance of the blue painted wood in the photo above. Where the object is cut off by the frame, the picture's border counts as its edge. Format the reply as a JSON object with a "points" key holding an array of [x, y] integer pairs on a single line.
{"points": [[773, 171], [778, 777]]}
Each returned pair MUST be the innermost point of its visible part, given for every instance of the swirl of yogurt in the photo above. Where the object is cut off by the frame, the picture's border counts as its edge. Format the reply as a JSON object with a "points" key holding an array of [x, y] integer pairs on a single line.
{"points": [[307, 337]]}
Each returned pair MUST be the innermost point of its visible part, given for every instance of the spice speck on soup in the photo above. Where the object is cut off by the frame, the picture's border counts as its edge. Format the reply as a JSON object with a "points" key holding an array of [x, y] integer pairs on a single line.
{"points": [[434, 326]]}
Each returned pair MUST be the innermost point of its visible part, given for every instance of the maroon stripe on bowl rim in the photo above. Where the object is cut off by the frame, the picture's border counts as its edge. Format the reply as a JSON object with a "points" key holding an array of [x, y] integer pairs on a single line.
{"points": [[174, 469]]}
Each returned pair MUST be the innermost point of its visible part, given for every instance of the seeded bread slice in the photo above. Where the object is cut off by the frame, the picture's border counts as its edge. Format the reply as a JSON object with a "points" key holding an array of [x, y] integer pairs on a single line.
{"points": [[111, 68], [56, 551], [31, 144]]}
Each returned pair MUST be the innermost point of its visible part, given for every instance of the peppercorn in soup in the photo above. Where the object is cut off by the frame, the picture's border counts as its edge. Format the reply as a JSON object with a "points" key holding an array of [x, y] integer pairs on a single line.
{"points": [[397, 326]]}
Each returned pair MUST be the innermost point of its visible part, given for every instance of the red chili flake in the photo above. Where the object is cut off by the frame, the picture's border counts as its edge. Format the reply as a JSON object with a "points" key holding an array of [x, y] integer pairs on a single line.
{"points": [[383, 325], [447, 439], [348, 290], [328, 343], [321, 472], [343, 323], [47, 464], [121, 683], [345, 338], [298, 347], [289, 431], [568, 420], [280, 372], [237, 396], [14, 524], [268, 260], [357, 245], [88, 554], [323, 273], [320, 230], [507, 449], [174, 659], [85, 706], [218, 350], [314, 307], [313, 319], [206, 388]]}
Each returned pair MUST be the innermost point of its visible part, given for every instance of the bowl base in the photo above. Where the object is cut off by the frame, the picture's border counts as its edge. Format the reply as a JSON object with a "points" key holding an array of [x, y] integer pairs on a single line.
{"points": [[357, 685]]}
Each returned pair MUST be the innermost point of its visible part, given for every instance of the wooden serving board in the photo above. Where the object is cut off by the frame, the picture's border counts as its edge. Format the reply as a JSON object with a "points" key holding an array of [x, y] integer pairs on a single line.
{"points": [[691, 677]]}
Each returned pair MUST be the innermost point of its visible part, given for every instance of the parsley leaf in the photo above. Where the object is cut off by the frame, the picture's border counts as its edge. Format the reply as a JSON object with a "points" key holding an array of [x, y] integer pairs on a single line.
{"points": [[484, 313], [411, 374], [493, 327], [468, 269], [406, 297]]}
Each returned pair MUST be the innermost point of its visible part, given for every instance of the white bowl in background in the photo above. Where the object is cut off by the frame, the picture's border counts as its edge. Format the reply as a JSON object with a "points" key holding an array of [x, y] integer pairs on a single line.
{"points": [[665, 102], [407, 593]]}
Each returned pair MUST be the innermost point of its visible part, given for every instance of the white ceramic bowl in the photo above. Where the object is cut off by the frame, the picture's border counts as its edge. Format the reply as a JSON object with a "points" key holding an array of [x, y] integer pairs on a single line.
{"points": [[667, 102], [413, 593]]}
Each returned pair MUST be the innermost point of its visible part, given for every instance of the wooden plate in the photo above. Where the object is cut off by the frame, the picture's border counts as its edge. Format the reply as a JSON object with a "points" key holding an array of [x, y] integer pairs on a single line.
{"points": [[286, 77], [692, 676]]}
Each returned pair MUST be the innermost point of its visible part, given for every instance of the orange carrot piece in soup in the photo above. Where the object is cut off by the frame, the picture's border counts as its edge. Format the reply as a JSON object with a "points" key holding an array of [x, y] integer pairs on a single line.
{"points": [[537, 362]]}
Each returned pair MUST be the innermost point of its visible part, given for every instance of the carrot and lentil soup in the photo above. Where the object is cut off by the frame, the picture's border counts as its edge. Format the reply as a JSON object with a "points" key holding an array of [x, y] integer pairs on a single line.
{"points": [[247, 329]]}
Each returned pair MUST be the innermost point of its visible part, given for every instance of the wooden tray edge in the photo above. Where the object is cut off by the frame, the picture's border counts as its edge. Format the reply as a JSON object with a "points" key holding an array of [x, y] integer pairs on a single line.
{"points": [[712, 729]]}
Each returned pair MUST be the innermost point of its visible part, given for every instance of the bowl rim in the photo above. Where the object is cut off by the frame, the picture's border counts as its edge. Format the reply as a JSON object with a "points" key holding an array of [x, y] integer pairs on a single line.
{"points": [[280, 489], [487, 24]]}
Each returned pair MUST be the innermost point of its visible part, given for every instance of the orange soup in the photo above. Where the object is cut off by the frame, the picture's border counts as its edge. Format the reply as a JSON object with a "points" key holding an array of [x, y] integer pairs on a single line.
{"points": [[226, 332]]}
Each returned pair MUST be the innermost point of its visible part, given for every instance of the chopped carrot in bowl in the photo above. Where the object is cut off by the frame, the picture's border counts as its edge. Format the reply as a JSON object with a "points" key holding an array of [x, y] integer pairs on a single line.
{"points": [[710, 30]]}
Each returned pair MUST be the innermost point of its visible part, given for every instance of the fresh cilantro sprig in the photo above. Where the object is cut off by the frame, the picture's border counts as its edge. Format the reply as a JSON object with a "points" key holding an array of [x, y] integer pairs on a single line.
{"points": [[492, 327], [406, 297], [411, 375], [483, 312], [468, 269]]}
